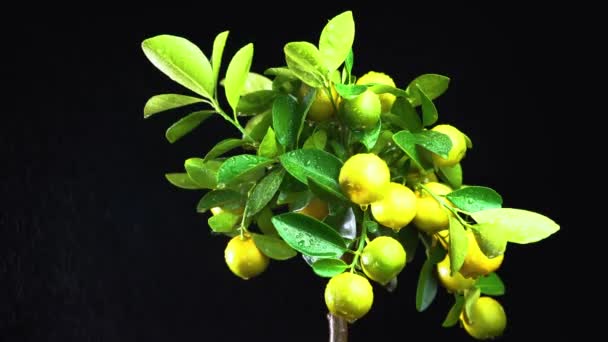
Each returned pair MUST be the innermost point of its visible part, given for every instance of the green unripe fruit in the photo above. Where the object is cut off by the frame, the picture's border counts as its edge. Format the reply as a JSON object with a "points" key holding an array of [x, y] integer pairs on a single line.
{"points": [[361, 112], [383, 259]]}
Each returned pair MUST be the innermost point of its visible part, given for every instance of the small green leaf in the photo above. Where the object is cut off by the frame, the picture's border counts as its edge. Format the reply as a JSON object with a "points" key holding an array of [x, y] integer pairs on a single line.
{"points": [[349, 62], [407, 142], [183, 181], [256, 102], [409, 239], [369, 137], [258, 125], [304, 60], [429, 111], [328, 268], [224, 222], [452, 175], [437, 254], [273, 247], [264, 191], [468, 140], [264, 222], [219, 198], [216, 55], [163, 102], [234, 169], [286, 121], [519, 226], [458, 245], [236, 74], [325, 192], [475, 198], [491, 241], [309, 236], [269, 147], [222, 147], [470, 297], [349, 90], [182, 61], [435, 142], [256, 82], [186, 124], [432, 85], [491, 285], [317, 140], [336, 40], [404, 110], [281, 72], [201, 173], [427, 286], [454, 314], [319, 165]]}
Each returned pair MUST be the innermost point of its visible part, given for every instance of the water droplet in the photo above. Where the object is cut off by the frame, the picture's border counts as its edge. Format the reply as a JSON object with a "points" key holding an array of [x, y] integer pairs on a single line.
{"points": [[364, 206], [221, 185]]}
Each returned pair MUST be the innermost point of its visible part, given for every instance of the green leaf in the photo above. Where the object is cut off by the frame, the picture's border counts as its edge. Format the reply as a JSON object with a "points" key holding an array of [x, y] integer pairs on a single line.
{"points": [[308, 235], [459, 243], [336, 40], [222, 147], [491, 241], [258, 125], [349, 90], [327, 193], [234, 169], [256, 102], [256, 82], [201, 173], [281, 72], [349, 62], [452, 175], [491, 285], [186, 124], [305, 61], [432, 85], [317, 140], [427, 286], [429, 111], [163, 102], [183, 181], [435, 142], [328, 268], [383, 89], [216, 55], [470, 297], [273, 247], [319, 165], [236, 74], [437, 254], [182, 61], [219, 198], [454, 314], [269, 147], [264, 191], [468, 140], [224, 222], [404, 110], [286, 120], [475, 198], [368, 137], [409, 239], [520, 226], [407, 142], [264, 222]]}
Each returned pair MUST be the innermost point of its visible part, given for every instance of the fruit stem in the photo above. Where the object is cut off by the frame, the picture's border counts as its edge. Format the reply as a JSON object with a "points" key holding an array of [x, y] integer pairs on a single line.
{"points": [[362, 239], [234, 122], [450, 208], [338, 328]]}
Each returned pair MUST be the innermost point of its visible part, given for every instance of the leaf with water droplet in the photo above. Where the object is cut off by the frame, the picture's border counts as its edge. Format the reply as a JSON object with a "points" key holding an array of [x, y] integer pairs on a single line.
{"points": [[475, 198], [273, 247], [309, 236], [328, 268], [491, 284]]}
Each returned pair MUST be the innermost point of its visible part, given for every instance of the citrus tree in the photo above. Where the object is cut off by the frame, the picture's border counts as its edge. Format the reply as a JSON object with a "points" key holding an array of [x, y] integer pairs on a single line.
{"points": [[353, 173]]}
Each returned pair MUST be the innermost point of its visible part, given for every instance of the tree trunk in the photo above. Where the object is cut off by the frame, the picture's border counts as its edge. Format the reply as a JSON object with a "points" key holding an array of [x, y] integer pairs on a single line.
{"points": [[338, 329]]}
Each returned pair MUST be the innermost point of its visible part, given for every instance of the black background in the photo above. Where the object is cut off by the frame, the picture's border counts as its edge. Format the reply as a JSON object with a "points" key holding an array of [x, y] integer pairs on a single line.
{"points": [[96, 246]]}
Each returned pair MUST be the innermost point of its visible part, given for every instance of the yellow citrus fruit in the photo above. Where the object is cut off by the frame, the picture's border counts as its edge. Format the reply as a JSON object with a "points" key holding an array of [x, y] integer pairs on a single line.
{"points": [[456, 283], [459, 146], [383, 259], [361, 112], [349, 296], [244, 258], [316, 208], [386, 99], [322, 107], [431, 216], [415, 177], [476, 263], [487, 319], [364, 178], [398, 207]]}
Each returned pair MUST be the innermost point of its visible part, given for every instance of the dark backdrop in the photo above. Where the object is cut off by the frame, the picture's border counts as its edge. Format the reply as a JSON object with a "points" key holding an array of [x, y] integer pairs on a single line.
{"points": [[96, 246]]}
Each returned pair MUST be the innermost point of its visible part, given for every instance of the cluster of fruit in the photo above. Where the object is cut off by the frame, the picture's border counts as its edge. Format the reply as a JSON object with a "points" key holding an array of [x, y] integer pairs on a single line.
{"points": [[352, 173]]}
